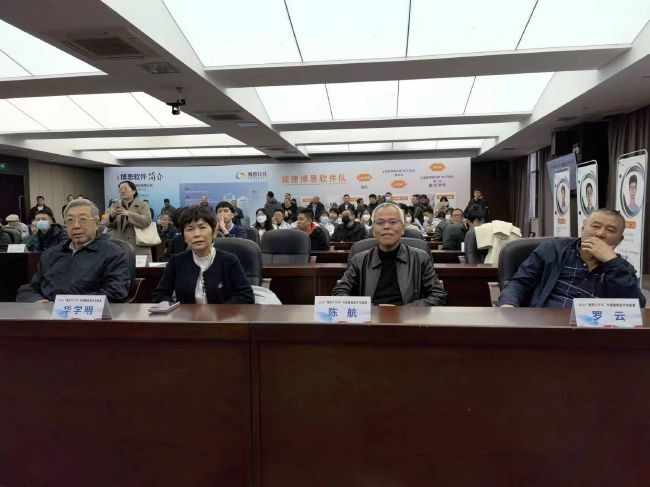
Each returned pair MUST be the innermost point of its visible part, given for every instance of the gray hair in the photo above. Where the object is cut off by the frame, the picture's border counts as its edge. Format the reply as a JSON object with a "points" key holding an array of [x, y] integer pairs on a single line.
{"points": [[82, 202], [388, 205]]}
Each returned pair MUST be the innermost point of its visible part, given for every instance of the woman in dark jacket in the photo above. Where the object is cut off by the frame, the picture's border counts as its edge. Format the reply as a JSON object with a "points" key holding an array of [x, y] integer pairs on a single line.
{"points": [[203, 274]]}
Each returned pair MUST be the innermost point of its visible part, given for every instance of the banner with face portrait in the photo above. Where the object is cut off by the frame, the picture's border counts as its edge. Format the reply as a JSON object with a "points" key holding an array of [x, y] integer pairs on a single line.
{"points": [[587, 189], [561, 203], [630, 201]]}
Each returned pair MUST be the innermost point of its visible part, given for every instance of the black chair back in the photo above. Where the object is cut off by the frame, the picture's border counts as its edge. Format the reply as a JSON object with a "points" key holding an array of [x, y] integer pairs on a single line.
{"points": [[369, 243], [130, 254], [14, 234], [249, 255], [514, 253], [412, 233], [252, 234], [176, 245], [472, 253], [286, 247]]}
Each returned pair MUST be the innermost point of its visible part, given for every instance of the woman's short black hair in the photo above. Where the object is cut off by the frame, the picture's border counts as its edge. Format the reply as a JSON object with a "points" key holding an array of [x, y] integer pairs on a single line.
{"points": [[193, 214], [131, 185]]}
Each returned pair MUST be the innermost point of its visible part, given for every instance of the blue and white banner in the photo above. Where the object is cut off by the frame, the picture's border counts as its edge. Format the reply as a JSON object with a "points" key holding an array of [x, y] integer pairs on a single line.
{"points": [[248, 184], [587, 190], [630, 202]]}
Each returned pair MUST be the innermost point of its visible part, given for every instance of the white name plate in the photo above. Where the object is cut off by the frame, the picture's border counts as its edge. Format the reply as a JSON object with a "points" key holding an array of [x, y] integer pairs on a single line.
{"points": [[141, 260], [16, 248], [342, 309], [81, 307], [606, 313]]}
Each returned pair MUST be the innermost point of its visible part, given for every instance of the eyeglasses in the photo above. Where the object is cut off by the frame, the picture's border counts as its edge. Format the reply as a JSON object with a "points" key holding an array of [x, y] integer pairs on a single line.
{"points": [[392, 222], [81, 220]]}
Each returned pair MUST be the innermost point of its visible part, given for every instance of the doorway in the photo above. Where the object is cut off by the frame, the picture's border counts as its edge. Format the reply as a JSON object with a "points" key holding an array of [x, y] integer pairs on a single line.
{"points": [[12, 196]]}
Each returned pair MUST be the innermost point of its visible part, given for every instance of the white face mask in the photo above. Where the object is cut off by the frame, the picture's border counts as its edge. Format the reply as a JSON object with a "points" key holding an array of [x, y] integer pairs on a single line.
{"points": [[409, 219], [427, 219], [261, 219], [365, 218]]}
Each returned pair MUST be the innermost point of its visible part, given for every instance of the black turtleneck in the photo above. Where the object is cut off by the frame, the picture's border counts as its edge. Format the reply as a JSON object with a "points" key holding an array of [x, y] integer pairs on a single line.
{"points": [[387, 291]]}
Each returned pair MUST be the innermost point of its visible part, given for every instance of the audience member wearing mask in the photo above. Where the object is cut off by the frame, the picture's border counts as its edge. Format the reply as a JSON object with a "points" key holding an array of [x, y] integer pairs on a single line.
{"points": [[278, 220], [263, 222], [410, 221], [47, 234], [326, 222], [349, 230], [428, 222], [366, 220], [442, 205]]}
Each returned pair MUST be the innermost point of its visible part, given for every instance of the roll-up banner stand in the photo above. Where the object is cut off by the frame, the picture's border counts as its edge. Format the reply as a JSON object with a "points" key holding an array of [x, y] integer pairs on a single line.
{"points": [[630, 201], [561, 211], [587, 191]]}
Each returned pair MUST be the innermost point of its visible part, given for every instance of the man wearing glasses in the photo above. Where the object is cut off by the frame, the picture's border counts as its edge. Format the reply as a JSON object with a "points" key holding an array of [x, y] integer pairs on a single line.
{"points": [[392, 273], [84, 264]]}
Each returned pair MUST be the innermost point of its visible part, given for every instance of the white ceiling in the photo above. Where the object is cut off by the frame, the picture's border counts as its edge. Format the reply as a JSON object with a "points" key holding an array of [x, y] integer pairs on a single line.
{"points": [[289, 78]]}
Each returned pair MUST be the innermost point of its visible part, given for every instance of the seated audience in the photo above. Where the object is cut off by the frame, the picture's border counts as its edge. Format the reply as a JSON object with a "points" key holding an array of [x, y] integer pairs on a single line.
{"points": [[315, 207], [361, 205], [13, 221], [87, 263], [366, 220], [40, 208], [166, 229], [442, 205], [392, 273], [349, 230], [410, 221], [263, 222], [203, 274], [278, 220], [372, 202], [335, 216], [225, 225], [47, 234], [475, 218], [5, 240], [428, 222], [316, 233], [453, 234], [559, 270], [326, 222]]}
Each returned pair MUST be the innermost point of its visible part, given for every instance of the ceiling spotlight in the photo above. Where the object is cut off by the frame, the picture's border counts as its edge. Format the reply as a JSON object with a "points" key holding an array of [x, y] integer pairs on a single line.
{"points": [[176, 105]]}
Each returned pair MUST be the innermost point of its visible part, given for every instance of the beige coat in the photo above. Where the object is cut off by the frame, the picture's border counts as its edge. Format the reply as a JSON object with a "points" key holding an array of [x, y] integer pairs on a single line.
{"points": [[123, 227]]}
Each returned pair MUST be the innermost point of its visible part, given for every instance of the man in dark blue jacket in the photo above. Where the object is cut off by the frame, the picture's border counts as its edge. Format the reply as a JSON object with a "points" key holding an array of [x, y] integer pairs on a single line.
{"points": [[85, 264], [560, 270]]}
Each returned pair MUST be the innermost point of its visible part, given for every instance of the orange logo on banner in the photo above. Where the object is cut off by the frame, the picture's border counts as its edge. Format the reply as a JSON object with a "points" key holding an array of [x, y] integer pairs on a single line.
{"points": [[364, 177], [398, 183], [630, 224], [561, 221], [437, 166]]}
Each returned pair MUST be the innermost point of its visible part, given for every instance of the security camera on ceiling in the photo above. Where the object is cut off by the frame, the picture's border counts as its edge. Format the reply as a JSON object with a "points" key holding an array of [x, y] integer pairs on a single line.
{"points": [[176, 105]]}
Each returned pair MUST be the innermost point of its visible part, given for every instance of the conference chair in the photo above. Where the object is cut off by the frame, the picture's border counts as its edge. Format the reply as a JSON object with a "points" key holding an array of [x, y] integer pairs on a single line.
{"points": [[412, 233], [176, 245], [248, 253], [14, 234], [472, 253], [130, 256], [252, 234], [514, 253], [286, 247], [369, 243]]}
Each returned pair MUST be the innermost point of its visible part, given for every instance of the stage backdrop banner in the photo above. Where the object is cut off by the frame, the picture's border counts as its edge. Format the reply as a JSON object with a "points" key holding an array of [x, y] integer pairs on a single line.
{"points": [[562, 207], [630, 201], [248, 184], [587, 189]]}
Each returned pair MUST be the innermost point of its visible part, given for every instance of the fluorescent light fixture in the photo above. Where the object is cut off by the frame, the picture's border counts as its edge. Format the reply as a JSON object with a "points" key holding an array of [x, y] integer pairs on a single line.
{"points": [[36, 56], [599, 23], [373, 147], [13, 120], [326, 149], [163, 114], [375, 99], [115, 110], [210, 152], [507, 93], [11, 69], [245, 151], [416, 145], [224, 32], [295, 103], [56, 113], [476, 25], [460, 144], [433, 97], [170, 152], [340, 29], [131, 154]]}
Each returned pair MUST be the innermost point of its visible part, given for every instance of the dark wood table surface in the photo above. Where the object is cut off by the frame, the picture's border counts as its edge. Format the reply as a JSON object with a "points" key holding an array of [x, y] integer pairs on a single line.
{"points": [[340, 256], [261, 395]]}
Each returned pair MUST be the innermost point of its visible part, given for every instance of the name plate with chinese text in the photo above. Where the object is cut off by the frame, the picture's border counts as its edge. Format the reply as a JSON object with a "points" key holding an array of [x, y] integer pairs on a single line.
{"points": [[141, 260], [606, 313], [16, 248], [81, 307], [342, 309]]}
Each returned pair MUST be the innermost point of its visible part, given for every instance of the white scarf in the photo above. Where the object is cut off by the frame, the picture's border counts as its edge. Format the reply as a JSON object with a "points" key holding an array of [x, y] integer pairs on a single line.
{"points": [[204, 264]]}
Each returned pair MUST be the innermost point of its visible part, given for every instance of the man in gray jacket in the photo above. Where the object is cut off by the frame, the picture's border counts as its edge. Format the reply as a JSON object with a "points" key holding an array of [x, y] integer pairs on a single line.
{"points": [[85, 264], [392, 273]]}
